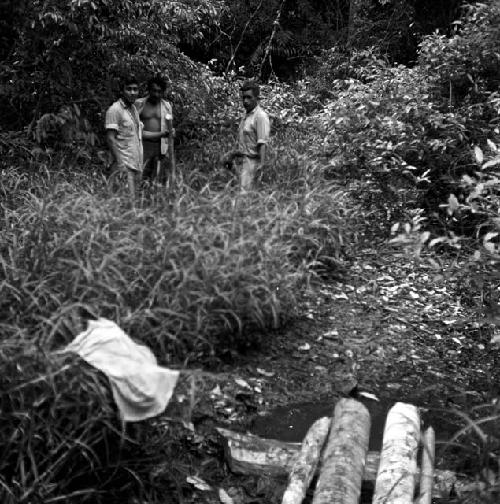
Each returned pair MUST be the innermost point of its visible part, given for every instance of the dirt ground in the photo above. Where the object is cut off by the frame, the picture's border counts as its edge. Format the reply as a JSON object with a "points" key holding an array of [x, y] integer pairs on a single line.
{"points": [[395, 329]]}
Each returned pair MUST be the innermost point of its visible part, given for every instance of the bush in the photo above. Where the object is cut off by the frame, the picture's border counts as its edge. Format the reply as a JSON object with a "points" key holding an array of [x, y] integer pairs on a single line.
{"points": [[383, 132], [466, 66]]}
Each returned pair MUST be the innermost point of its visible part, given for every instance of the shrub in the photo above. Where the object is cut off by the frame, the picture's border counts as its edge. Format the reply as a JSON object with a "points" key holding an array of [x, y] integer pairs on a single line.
{"points": [[466, 66], [384, 133]]}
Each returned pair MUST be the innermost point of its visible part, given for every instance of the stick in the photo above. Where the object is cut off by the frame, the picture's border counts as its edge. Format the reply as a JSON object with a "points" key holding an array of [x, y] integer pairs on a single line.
{"points": [[342, 465], [306, 463], [171, 153], [397, 471], [158, 170], [427, 466]]}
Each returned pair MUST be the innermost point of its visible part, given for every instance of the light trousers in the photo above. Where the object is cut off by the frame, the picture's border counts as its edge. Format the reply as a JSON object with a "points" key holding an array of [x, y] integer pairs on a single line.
{"points": [[247, 173]]}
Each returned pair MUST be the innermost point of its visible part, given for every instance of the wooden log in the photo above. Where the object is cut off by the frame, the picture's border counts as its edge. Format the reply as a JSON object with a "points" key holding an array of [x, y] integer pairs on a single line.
{"points": [[306, 462], [427, 466], [397, 472], [254, 456], [343, 461], [248, 454]]}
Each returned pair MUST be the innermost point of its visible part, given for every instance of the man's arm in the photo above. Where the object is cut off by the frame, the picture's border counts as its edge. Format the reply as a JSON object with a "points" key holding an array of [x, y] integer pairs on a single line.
{"points": [[154, 135], [113, 147], [262, 151], [263, 129]]}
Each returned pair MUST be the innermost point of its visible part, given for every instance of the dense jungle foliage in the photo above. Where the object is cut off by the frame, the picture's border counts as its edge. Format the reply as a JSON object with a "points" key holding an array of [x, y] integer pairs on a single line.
{"points": [[386, 124]]}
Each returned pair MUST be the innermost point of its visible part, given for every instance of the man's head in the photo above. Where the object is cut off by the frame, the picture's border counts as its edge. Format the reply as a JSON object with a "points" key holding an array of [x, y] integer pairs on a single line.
{"points": [[156, 88], [129, 89], [250, 93]]}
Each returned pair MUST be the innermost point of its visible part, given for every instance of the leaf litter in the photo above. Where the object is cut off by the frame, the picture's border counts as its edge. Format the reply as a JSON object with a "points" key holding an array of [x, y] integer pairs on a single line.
{"points": [[394, 329]]}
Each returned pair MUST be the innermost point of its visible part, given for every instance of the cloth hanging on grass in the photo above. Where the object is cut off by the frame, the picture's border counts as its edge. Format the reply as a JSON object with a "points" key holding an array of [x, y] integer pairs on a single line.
{"points": [[141, 388]]}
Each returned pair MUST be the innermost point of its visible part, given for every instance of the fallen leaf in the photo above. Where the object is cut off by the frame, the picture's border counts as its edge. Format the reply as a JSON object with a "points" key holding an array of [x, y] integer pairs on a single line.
{"points": [[242, 383], [478, 153], [224, 497], [216, 391], [373, 397], [198, 483], [342, 295], [263, 372], [393, 386], [495, 339], [452, 204]]}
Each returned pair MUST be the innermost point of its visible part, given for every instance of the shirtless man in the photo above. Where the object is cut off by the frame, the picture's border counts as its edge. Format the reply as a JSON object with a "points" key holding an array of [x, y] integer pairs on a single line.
{"points": [[156, 115]]}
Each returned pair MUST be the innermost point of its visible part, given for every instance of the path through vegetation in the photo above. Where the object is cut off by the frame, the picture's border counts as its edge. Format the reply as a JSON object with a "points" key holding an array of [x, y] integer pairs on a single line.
{"points": [[394, 329]]}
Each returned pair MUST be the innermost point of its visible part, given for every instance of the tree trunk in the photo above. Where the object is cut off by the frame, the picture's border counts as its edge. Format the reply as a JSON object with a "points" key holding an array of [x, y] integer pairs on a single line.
{"points": [[397, 472], [307, 461], [343, 462], [352, 27], [427, 466]]}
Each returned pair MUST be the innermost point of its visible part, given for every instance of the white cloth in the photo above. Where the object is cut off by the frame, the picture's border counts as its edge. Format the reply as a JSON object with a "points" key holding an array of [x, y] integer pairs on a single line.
{"points": [[141, 388]]}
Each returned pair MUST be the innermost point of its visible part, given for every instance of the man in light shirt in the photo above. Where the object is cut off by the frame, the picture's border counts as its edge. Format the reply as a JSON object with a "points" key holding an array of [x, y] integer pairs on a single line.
{"points": [[156, 115], [124, 135], [253, 137]]}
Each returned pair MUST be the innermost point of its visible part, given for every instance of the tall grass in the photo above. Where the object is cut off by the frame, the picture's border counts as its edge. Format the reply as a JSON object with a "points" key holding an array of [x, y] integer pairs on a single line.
{"points": [[183, 271], [187, 272]]}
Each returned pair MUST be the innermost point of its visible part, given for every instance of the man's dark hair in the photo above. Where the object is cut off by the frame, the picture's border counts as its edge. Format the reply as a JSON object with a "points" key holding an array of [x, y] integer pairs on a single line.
{"points": [[159, 81], [128, 79], [251, 86]]}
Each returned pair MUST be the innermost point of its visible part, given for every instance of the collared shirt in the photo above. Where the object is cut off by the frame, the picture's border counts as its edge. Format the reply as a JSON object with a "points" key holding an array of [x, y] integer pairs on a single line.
{"points": [[165, 116], [125, 121], [254, 130]]}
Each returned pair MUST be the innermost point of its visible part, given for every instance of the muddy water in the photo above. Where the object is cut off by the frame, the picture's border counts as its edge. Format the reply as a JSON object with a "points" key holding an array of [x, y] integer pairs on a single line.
{"points": [[290, 423]]}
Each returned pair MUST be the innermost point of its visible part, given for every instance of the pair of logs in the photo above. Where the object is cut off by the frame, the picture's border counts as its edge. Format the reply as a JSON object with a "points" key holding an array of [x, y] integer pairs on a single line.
{"points": [[340, 448]]}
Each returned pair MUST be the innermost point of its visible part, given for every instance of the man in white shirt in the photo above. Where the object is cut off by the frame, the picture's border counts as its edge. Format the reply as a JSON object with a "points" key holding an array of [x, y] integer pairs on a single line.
{"points": [[253, 137], [124, 134]]}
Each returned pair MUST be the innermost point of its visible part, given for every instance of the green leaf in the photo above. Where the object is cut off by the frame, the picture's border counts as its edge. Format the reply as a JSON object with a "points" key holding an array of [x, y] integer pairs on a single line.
{"points": [[453, 204], [478, 153]]}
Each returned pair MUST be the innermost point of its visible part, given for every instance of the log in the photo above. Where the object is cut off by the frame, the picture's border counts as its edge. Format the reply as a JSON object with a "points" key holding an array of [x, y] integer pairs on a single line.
{"points": [[397, 472], [427, 466], [343, 461], [306, 462], [253, 456]]}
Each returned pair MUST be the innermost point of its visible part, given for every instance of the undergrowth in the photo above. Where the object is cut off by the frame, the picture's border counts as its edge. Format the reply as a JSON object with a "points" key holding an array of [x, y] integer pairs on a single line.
{"points": [[189, 272], [183, 271]]}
